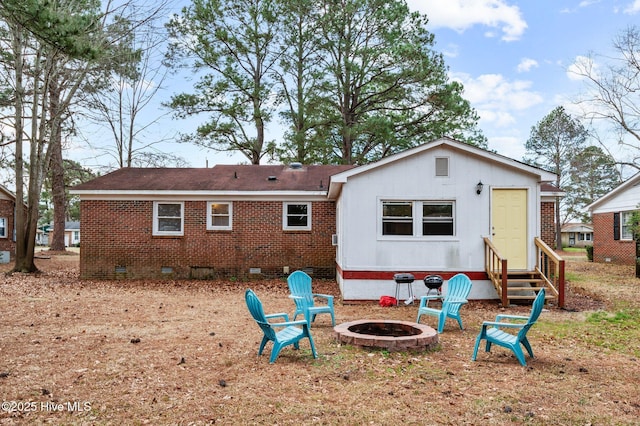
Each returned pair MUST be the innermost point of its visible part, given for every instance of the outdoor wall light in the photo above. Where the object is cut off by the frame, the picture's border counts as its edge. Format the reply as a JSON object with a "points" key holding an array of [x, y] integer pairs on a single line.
{"points": [[479, 187]]}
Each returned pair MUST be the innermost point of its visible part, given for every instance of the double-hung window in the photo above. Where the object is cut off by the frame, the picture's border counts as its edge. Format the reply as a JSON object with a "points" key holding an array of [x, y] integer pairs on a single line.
{"points": [[3, 227], [437, 218], [219, 215], [168, 218], [397, 218], [625, 225], [418, 218], [296, 216]]}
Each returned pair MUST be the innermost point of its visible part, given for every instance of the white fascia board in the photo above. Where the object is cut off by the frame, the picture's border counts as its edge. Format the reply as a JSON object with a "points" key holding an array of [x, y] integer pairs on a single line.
{"points": [[543, 175], [552, 194], [632, 181], [202, 195]]}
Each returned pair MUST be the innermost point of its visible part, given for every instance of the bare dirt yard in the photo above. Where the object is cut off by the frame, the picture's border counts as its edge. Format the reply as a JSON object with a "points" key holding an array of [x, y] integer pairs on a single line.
{"points": [[185, 352]]}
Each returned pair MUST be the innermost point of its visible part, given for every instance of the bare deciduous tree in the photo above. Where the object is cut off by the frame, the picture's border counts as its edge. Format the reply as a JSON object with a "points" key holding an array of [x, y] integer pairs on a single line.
{"points": [[613, 91]]}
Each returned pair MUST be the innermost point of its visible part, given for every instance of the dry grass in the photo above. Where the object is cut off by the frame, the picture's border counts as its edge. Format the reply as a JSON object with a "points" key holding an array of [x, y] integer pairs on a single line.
{"points": [[84, 352]]}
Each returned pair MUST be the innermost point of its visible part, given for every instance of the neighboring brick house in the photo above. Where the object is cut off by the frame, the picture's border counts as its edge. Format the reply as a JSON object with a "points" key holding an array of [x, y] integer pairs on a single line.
{"points": [[612, 238], [229, 220], [7, 216]]}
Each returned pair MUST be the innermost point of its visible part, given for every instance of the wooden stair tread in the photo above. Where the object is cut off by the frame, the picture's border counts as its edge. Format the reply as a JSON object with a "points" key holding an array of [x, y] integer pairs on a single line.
{"points": [[530, 297], [524, 280]]}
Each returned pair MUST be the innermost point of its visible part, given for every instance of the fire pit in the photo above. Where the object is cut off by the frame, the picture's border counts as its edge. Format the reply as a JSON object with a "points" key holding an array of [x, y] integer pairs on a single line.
{"points": [[390, 335]]}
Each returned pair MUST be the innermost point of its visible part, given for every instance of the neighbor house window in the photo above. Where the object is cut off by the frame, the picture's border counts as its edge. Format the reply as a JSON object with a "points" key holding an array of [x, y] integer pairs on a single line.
{"points": [[418, 218], [626, 224], [219, 215], [168, 218], [3, 227], [397, 218], [296, 216], [584, 237]]}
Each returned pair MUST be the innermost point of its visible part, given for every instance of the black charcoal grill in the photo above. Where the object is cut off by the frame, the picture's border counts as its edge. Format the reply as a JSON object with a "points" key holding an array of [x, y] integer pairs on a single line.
{"points": [[433, 282], [404, 279]]}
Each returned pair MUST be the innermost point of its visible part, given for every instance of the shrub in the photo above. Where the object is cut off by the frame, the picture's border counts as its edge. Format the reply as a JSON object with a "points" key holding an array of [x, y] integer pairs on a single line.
{"points": [[589, 253]]}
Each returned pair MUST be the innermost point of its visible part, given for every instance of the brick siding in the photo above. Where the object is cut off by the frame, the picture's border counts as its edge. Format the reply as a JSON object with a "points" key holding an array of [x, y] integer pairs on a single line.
{"points": [[118, 234], [548, 223], [7, 209], [605, 248]]}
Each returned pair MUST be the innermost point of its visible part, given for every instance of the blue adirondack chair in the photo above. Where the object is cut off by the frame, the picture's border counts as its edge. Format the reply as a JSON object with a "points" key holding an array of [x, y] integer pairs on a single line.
{"points": [[291, 334], [304, 298], [492, 333], [458, 288]]}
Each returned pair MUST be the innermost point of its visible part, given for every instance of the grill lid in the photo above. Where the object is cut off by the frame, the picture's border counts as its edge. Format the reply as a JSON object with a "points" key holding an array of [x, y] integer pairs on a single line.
{"points": [[433, 281], [403, 278]]}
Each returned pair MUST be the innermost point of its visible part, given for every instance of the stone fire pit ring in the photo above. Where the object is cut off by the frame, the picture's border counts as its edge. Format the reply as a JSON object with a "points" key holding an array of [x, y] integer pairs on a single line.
{"points": [[390, 335]]}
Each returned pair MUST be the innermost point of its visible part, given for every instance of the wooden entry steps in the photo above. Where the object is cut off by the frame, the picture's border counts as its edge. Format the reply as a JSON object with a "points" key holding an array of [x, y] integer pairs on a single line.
{"points": [[522, 285]]}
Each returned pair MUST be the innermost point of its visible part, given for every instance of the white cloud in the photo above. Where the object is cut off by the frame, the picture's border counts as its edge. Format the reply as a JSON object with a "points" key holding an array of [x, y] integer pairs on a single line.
{"points": [[463, 14], [496, 99], [633, 8], [511, 146], [501, 119], [587, 3], [526, 64], [451, 51], [582, 66], [495, 89]]}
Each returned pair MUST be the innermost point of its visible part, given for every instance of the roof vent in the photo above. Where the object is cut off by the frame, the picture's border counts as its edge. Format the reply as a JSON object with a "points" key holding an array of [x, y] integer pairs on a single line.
{"points": [[272, 178], [295, 166]]}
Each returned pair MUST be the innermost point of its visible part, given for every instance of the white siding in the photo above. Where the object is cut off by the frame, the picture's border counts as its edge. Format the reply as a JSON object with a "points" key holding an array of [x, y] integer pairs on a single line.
{"points": [[361, 245], [622, 201]]}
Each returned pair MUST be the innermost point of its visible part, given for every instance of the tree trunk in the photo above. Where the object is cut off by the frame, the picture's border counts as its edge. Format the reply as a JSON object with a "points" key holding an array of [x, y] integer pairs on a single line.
{"points": [[24, 257], [57, 173]]}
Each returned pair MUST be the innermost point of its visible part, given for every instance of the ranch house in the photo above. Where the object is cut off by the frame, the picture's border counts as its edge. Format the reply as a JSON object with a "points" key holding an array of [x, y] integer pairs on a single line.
{"points": [[440, 208]]}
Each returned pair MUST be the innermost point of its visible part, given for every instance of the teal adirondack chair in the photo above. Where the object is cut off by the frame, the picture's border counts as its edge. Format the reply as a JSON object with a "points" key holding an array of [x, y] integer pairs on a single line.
{"points": [[304, 298], [458, 288], [291, 334], [492, 333]]}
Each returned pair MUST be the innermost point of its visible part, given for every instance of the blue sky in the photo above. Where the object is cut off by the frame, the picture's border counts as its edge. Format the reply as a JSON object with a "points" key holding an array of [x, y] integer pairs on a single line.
{"points": [[513, 56]]}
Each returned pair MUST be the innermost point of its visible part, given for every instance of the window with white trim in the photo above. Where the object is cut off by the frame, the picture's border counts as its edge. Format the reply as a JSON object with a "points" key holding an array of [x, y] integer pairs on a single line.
{"points": [[437, 218], [586, 236], [296, 216], [397, 218], [219, 215], [625, 225], [418, 218], [168, 218], [3, 227]]}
